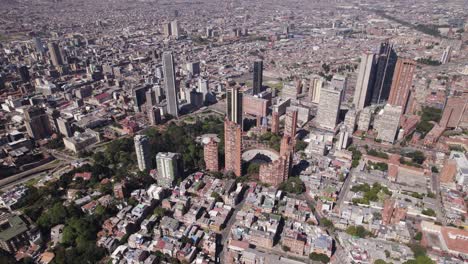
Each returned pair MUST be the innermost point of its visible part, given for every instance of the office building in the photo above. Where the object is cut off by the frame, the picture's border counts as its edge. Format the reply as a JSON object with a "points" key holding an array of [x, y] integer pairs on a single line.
{"points": [[169, 167], [167, 29], [150, 98], [154, 115], [402, 83], [37, 123], [210, 151], [387, 123], [254, 105], [329, 108], [64, 126], [446, 55], [234, 104], [290, 122], [142, 150], [55, 54], [365, 81], [82, 141], [340, 82], [170, 84], [175, 30], [386, 62], [315, 87], [455, 113], [343, 138], [233, 147], [193, 67], [350, 120], [16, 232], [139, 98], [24, 73], [257, 76], [364, 120]]}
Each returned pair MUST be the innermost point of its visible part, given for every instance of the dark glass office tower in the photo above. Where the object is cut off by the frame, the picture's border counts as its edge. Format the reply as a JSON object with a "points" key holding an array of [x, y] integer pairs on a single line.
{"points": [[386, 61], [257, 77]]}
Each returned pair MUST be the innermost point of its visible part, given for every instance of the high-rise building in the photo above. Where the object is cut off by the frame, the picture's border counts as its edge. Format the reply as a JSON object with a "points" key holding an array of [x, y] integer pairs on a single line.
{"points": [[365, 81], [387, 123], [169, 167], [275, 122], [64, 126], [290, 122], [455, 113], [38, 45], [24, 73], [233, 147], [142, 150], [343, 138], [37, 123], [257, 76], [170, 84], [274, 173], [315, 86], [154, 115], [446, 55], [175, 31], [364, 120], [150, 96], [210, 151], [329, 107], [55, 54], [350, 120], [139, 97], [167, 29], [340, 82], [386, 62], [193, 67], [402, 83], [234, 104]]}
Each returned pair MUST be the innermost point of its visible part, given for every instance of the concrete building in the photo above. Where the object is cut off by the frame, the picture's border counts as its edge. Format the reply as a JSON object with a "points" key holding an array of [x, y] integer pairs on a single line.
{"points": [[365, 81], [142, 150], [170, 84], [175, 30], [387, 123], [37, 123], [193, 67], [169, 167], [402, 84], [16, 232], [446, 55], [343, 138], [350, 120], [329, 108], [253, 105], [233, 147], [81, 141], [210, 151]]}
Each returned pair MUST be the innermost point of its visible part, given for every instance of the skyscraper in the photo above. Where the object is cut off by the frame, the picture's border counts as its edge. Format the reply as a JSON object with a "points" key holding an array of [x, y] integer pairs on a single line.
{"points": [[175, 29], [37, 123], [234, 105], [24, 73], [210, 151], [316, 85], [402, 83], [365, 81], [169, 167], [386, 62], [142, 149], [55, 54], [290, 122], [233, 147], [167, 29], [329, 107], [257, 76], [170, 84]]}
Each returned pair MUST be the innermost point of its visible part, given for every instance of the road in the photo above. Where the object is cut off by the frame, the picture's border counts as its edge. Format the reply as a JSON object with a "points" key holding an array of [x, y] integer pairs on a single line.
{"points": [[227, 230], [436, 190], [27, 175], [345, 189]]}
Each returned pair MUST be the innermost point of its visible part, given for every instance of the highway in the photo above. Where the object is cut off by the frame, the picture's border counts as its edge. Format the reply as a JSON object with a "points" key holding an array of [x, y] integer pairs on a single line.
{"points": [[27, 175]]}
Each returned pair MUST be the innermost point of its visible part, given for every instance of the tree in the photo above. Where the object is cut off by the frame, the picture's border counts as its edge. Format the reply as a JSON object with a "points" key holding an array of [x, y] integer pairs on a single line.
{"points": [[380, 261], [428, 212], [319, 257], [418, 236], [357, 231], [301, 145]]}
